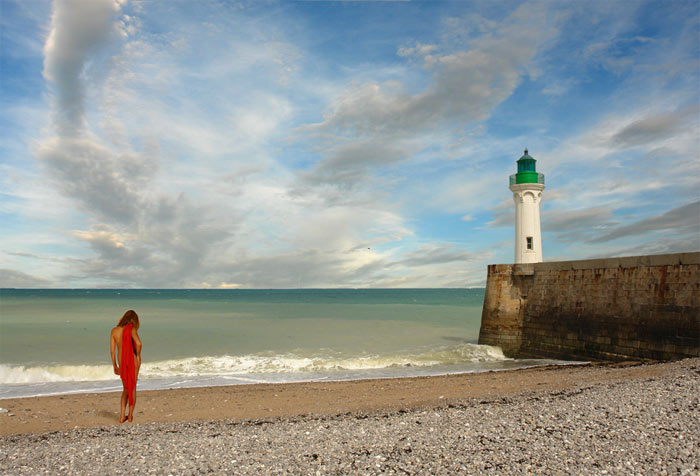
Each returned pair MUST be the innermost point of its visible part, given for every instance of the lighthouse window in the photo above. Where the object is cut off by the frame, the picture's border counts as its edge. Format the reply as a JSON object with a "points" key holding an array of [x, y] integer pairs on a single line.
{"points": [[529, 242]]}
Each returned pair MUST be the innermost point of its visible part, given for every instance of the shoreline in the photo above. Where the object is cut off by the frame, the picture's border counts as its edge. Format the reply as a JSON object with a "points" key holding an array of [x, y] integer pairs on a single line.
{"points": [[151, 385], [292, 400]]}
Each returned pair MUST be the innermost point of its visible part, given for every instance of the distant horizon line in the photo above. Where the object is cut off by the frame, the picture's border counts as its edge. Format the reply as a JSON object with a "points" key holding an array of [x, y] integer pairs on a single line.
{"points": [[237, 289]]}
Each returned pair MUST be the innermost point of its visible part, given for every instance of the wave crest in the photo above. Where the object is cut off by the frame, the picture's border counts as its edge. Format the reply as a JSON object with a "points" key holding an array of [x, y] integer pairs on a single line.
{"points": [[257, 364]]}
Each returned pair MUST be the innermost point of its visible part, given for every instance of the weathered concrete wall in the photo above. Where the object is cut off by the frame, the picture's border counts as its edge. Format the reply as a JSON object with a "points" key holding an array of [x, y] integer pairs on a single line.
{"points": [[642, 307]]}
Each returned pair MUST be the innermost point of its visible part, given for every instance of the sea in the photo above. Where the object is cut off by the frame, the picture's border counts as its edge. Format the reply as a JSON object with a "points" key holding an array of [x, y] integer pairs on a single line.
{"points": [[56, 341]]}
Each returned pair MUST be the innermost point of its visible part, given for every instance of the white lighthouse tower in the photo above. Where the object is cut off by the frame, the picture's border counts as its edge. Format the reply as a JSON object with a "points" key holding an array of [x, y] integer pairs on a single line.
{"points": [[527, 186]]}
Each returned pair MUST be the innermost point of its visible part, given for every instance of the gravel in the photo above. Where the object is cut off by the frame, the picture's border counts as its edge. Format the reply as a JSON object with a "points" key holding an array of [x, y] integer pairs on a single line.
{"points": [[633, 427]]}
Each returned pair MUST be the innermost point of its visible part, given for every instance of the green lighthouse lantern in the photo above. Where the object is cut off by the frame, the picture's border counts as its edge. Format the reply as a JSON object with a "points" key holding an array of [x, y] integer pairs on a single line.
{"points": [[526, 171]]}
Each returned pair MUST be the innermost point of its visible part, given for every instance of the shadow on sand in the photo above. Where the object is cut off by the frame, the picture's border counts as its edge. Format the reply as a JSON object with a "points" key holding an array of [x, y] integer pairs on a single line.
{"points": [[109, 415]]}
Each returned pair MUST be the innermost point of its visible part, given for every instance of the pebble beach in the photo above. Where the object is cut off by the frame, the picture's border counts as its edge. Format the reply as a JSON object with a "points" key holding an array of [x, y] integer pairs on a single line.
{"points": [[573, 420]]}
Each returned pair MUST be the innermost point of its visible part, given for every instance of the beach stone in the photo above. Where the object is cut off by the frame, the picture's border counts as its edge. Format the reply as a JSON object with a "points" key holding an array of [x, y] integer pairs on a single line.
{"points": [[629, 427]]}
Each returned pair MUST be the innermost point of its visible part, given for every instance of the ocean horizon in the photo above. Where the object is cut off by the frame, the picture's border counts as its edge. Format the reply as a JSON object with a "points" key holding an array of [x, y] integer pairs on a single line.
{"points": [[56, 341]]}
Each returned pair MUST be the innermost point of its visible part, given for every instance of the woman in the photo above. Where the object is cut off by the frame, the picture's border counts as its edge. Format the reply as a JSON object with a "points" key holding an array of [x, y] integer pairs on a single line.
{"points": [[125, 339]]}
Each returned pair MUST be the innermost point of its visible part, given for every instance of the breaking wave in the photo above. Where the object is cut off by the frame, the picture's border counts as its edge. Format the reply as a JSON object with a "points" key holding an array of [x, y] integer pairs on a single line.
{"points": [[257, 364]]}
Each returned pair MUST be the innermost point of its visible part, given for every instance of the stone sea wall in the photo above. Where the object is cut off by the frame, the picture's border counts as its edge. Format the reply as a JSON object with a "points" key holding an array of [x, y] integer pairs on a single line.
{"points": [[640, 307]]}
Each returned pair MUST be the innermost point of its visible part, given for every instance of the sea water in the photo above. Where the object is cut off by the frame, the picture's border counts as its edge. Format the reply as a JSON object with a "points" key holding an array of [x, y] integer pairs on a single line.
{"points": [[57, 341]]}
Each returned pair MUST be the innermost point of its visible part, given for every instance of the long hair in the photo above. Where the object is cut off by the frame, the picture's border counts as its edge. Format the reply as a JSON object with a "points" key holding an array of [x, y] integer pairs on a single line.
{"points": [[129, 317]]}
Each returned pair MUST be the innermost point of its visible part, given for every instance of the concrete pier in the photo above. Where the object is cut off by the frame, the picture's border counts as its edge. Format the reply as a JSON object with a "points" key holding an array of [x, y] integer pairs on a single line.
{"points": [[640, 307]]}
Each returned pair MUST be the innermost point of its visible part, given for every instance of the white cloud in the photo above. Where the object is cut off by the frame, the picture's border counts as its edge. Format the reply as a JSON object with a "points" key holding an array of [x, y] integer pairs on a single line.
{"points": [[466, 84], [102, 182], [642, 150], [10, 278], [682, 220], [71, 39], [568, 220], [654, 128]]}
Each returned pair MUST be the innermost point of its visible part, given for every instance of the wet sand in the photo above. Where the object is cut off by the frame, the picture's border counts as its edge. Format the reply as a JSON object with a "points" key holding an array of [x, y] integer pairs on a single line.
{"points": [[274, 401]]}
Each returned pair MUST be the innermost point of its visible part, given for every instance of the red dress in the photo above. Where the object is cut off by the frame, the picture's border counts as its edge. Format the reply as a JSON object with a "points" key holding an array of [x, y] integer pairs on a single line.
{"points": [[127, 370]]}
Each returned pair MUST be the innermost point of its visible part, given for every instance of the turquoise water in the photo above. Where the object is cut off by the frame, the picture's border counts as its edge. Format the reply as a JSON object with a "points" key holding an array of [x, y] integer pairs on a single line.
{"points": [[57, 341]]}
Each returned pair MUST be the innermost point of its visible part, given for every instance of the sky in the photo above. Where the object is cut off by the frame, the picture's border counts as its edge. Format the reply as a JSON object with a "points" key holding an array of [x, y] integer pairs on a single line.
{"points": [[311, 144]]}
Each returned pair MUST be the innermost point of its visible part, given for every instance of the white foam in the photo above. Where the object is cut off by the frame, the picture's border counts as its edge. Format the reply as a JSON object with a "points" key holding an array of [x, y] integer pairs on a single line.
{"points": [[10, 374], [249, 365]]}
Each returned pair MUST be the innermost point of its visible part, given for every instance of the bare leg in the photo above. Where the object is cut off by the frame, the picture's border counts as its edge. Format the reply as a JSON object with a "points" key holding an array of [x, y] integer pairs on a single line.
{"points": [[131, 407], [122, 418]]}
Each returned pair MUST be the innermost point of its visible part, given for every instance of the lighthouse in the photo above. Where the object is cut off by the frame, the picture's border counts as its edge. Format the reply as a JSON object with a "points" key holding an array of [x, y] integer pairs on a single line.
{"points": [[527, 186]]}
